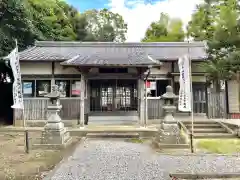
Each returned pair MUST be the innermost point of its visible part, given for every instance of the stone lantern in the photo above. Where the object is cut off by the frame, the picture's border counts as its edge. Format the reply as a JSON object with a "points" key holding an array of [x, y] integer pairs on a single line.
{"points": [[55, 134], [169, 107], [168, 134], [54, 120]]}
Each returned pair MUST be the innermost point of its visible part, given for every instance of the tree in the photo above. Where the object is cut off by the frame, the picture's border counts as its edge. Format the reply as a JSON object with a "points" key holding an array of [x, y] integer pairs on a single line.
{"points": [[15, 24], [217, 22], [54, 20], [201, 27], [51, 19], [165, 30], [104, 25]]}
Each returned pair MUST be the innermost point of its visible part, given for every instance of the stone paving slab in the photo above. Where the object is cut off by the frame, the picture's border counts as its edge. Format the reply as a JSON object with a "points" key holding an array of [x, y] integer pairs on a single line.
{"points": [[119, 160]]}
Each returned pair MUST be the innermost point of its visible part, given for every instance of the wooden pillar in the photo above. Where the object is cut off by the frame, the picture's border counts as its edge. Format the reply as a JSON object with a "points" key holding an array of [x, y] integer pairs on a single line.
{"points": [[145, 104], [88, 96], [52, 76], [141, 101], [82, 101], [172, 77]]}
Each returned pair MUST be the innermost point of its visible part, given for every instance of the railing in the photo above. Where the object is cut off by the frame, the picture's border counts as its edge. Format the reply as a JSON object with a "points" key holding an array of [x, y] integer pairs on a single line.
{"points": [[36, 109], [155, 110], [217, 105]]}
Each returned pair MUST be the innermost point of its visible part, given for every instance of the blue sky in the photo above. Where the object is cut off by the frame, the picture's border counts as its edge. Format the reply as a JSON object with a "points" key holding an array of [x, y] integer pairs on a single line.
{"points": [[84, 5], [139, 14]]}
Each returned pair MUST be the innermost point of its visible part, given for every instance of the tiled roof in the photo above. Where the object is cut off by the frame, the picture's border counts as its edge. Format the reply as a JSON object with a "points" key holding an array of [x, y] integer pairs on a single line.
{"points": [[138, 57], [112, 52]]}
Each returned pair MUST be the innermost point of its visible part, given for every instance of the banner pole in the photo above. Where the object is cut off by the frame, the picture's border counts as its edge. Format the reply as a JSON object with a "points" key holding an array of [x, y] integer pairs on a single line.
{"points": [[192, 113], [23, 116]]}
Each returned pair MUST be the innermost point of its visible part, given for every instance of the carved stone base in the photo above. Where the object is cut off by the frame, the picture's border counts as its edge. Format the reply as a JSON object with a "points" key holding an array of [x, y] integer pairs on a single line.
{"points": [[54, 126], [54, 139], [169, 136]]}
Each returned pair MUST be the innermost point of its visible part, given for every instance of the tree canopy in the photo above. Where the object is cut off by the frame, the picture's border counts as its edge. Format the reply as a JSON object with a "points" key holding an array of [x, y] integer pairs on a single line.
{"points": [[217, 22], [30, 20], [165, 30]]}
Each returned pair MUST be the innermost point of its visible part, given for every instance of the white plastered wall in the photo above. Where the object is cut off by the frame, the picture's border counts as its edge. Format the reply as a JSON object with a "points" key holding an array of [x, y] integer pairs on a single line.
{"points": [[164, 69], [194, 78], [59, 69], [29, 68], [196, 67]]}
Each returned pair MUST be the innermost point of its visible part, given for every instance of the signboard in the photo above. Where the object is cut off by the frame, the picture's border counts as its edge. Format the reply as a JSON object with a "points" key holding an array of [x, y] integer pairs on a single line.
{"points": [[184, 102], [151, 85], [76, 88], [27, 88]]}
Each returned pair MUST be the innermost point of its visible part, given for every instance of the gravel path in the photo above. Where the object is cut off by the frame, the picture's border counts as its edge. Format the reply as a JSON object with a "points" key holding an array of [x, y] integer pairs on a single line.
{"points": [[119, 160]]}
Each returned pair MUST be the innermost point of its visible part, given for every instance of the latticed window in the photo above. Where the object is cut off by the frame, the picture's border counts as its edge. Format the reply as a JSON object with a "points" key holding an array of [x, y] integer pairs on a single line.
{"points": [[107, 96], [63, 87], [43, 87]]}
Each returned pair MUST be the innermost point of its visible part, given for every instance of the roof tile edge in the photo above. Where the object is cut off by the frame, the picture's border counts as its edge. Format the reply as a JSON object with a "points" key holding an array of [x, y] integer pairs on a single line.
{"points": [[125, 44]]}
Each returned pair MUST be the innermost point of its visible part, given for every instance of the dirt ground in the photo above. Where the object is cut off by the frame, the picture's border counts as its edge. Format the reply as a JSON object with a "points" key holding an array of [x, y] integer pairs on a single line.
{"points": [[15, 164]]}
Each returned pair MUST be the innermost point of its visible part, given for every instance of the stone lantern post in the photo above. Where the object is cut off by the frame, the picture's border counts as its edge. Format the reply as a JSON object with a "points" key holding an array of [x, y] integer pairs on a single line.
{"points": [[54, 121], [169, 108], [169, 132], [55, 135]]}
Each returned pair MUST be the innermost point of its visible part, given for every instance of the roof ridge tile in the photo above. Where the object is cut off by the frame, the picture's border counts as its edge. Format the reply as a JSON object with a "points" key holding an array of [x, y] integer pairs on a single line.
{"points": [[116, 44]]}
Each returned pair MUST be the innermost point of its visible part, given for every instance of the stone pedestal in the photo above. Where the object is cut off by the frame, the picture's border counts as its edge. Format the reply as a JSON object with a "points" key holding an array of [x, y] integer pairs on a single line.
{"points": [[55, 135], [169, 134], [238, 131]]}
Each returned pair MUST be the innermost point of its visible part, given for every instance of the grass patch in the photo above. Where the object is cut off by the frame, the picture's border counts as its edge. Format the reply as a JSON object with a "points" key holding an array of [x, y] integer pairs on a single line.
{"points": [[136, 140], [15, 164], [220, 146]]}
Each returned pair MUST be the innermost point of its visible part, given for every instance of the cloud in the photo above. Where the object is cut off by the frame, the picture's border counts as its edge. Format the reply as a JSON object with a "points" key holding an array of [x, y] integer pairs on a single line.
{"points": [[139, 14]]}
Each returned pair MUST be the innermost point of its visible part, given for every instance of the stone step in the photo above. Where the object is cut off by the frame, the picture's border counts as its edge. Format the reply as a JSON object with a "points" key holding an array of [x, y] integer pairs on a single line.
{"points": [[208, 130], [113, 135], [174, 146], [112, 118], [200, 122], [112, 122], [211, 126], [213, 135]]}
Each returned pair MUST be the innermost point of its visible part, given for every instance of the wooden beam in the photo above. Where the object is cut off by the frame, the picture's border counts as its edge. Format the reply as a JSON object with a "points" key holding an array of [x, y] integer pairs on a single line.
{"points": [[84, 70], [172, 78]]}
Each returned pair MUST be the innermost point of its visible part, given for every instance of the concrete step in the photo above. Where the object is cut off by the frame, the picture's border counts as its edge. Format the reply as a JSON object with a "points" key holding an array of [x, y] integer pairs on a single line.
{"points": [[200, 122], [213, 135], [113, 135], [174, 146], [211, 126], [110, 118], [208, 130], [112, 122]]}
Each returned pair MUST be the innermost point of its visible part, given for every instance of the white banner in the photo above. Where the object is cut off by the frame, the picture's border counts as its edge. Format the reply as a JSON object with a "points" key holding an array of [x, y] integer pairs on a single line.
{"points": [[17, 84], [184, 102]]}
